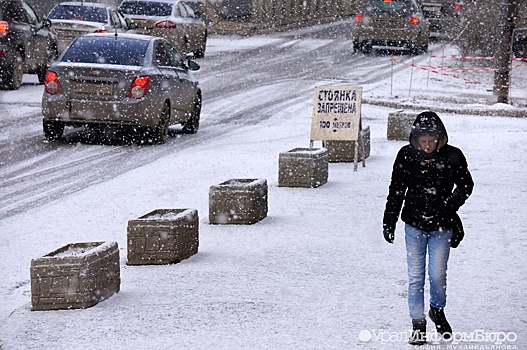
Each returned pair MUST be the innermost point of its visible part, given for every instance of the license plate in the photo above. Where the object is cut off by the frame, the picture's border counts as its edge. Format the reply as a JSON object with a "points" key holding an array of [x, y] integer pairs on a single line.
{"points": [[431, 8], [94, 89]]}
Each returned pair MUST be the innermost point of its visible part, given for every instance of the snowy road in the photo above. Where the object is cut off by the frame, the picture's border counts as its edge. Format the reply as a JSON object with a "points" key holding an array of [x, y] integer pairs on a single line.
{"points": [[241, 85]]}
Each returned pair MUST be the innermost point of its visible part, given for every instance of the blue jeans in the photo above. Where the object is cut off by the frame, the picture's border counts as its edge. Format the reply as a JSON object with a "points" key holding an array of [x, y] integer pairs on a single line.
{"points": [[438, 244]]}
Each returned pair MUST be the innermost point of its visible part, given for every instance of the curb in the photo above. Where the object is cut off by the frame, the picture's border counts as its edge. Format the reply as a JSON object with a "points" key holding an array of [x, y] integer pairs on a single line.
{"points": [[483, 111]]}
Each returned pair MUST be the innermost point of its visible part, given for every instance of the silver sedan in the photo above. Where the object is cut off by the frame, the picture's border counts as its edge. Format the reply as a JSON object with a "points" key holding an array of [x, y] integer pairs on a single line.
{"points": [[173, 20], [131, 80], [72, 19]]}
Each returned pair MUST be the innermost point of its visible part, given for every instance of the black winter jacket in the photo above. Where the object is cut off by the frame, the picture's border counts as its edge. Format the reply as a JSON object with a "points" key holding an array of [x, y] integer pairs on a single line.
{"points": [[432, 186]]}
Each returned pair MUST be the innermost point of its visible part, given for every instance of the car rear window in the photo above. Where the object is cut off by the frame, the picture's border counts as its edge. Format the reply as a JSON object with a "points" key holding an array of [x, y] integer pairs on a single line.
{"points": [[146, 8], [80, 13], [107, 50], [388, 6]]}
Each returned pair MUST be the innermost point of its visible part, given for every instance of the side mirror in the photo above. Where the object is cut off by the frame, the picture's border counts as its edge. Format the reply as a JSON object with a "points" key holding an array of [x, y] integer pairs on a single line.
{"points": [[130, 24], [193, 65]]}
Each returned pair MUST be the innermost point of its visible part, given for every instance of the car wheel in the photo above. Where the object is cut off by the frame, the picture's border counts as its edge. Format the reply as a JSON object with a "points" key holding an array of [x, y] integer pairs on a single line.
{"points": [[160, 132], [201, 52], [53, 130], [12, 78], [365, 47], [192, 125], [41, 73]]}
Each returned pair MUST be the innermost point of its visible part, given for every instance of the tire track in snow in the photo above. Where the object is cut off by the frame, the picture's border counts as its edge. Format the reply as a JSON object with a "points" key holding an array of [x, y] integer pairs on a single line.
{"points": [[240, 88]]}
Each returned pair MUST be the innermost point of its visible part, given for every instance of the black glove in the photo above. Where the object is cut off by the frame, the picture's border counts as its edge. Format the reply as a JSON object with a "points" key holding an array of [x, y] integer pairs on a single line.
{"points": [[389, 234], [458, 233]]}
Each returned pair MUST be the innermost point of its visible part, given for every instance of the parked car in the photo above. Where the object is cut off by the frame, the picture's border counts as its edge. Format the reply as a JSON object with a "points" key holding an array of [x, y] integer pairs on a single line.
{"points": [[27, 45], [173, 20], [128, 80], [71, 19], [519, 43], [396, 23], [445, 17]]}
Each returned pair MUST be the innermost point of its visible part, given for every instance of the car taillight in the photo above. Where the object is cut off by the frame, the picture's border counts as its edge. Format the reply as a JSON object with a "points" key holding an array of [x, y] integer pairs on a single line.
{"points": [[100, 31], [51, 84], [413, 20], [165, 24], [458, 6], [4, 28], [359, 17], [139, 87]]}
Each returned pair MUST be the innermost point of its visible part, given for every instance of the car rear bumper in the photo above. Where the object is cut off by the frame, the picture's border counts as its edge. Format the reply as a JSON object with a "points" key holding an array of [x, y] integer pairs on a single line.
{"points": [[6, 55], [127, 112], [393, 36]]}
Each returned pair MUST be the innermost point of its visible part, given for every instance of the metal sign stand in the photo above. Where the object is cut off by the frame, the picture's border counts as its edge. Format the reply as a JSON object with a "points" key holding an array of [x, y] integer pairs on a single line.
{"points": [[356, 146], [360, 144]]}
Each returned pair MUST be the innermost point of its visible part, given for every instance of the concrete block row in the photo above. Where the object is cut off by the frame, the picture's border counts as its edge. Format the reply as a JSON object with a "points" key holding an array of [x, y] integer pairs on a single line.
{"points": [[303, 167], [163, 236], [238, 201], [344, 151], [78, 275]]}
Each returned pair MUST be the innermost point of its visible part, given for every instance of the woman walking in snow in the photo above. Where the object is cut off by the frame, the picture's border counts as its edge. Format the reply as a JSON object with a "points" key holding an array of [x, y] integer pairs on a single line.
{"points": [[432, 179]]}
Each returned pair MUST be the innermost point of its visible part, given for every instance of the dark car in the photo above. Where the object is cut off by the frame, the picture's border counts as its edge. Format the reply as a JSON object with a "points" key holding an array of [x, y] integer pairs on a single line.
{"points": [[519, 44], [446, 17], [71, 19], [26, 44], [127, 80], [396, 24]]}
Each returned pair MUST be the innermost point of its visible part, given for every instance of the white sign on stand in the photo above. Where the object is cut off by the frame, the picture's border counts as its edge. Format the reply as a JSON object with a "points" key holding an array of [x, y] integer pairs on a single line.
{"points": [[337, 115]]}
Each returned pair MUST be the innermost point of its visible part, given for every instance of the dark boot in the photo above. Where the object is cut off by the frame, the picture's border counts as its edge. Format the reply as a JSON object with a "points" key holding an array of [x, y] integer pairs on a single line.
{"points": [[442, 326], [418, 336]]}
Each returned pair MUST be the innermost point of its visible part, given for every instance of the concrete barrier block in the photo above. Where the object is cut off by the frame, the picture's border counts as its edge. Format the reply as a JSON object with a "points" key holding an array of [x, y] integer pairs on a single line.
{"points": [[400, 124], [344, 151], [163, 236], [238, 201], [76, 276], [303, 167]]}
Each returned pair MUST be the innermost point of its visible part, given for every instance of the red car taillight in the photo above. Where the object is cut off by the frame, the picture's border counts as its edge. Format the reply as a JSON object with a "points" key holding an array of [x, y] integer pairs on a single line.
{"points": [[166, 24], [100, 31], [52, 85], [139, 87], [359, 17], [413, 20], [458, 6], [4, 28]]}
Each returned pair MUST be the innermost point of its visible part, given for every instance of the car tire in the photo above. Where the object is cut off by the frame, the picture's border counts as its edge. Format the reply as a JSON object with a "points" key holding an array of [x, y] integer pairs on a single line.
{"points": [[160, 132], [201, 52], [192, 124], [12, 78], [41, 72], [53, 130], [365, 47]]}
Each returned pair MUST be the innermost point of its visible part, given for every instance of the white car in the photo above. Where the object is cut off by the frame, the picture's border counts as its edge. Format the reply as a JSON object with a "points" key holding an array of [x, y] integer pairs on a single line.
{"points": [[173, 20], [72, 19]]}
